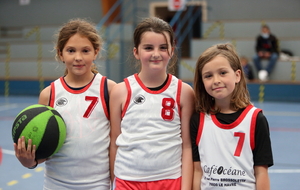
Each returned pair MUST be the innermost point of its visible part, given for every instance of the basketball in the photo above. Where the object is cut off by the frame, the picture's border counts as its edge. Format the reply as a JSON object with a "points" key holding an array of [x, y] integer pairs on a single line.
{"points": [[44, 125]]}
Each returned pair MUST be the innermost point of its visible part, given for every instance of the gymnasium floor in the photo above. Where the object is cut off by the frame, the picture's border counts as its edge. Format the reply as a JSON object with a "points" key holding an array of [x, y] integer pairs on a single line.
{"points": [[284, 121]]}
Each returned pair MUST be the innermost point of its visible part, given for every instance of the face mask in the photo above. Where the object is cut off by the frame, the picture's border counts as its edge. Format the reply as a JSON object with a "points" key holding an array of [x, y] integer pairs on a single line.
{"points": [[265, 35]]}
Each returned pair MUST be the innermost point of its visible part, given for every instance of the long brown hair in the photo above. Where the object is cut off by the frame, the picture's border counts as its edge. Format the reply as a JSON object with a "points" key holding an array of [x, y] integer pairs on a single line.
{"points": [[240, 96], [83, 27]]}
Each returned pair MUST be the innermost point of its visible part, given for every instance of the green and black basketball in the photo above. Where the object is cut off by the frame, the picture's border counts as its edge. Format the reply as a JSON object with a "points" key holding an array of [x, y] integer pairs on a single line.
{"points": [[44, 125]]}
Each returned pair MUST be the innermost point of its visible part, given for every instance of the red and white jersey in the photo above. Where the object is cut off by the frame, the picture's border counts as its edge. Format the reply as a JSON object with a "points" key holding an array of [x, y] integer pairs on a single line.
{"points": [[226, 151], [82, 162], [150, 144]]}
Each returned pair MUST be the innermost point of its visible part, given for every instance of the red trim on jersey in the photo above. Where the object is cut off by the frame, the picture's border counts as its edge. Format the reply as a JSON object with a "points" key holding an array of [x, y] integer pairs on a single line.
{"points": [[52, 95], [253, 128], [150, 91], [128, 97], [178, 96], [200, 128], [75, 91], [233, 124], [103, 98]]}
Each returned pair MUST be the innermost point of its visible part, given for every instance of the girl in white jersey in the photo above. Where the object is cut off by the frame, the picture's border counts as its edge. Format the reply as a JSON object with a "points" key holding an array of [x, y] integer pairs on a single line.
{"points": [[81, 97], [150, 112], [230, 137]]}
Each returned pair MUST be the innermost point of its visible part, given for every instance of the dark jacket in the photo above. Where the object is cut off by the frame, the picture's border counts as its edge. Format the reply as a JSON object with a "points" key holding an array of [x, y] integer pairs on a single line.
{"points": [[267, 44], [248, 72]]}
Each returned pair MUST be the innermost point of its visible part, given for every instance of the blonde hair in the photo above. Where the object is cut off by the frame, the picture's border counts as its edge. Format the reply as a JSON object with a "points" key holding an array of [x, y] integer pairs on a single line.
{"points": [[240, 97], [84, 28]]}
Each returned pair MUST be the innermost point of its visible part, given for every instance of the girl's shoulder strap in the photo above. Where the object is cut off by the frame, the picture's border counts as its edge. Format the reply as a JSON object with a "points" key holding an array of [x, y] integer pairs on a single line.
{"points": [[106, 94]]}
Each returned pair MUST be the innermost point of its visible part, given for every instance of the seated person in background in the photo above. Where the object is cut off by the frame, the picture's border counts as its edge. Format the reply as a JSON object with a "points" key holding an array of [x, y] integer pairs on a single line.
{"points": [[247, 68], [266, 48]]}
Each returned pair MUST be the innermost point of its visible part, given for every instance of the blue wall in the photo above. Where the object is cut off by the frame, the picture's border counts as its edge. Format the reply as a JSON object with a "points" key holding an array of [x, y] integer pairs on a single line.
{"points": [[275, 92], [20, 88]]}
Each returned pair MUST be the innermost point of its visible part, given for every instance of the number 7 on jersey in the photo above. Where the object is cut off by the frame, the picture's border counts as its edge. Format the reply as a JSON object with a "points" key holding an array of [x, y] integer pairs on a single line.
{"points": [[240, 143]]}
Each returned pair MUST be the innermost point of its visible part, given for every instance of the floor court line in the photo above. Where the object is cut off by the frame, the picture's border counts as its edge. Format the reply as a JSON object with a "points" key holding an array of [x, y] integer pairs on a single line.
{"points": [[8, 107], [9, 152], [282, 171], [281, 113], [285, 129]]}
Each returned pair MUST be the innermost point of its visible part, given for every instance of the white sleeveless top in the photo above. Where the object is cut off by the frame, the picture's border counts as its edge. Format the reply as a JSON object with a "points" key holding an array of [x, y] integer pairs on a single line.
{"points": [[82, 162], [150, 144], [226, 151]]}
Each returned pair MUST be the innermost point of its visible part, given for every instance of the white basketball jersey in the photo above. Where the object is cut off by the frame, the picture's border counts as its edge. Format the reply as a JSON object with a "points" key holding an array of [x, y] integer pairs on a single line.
{"points": [[82, 162], [149, 147], [226, 151]]}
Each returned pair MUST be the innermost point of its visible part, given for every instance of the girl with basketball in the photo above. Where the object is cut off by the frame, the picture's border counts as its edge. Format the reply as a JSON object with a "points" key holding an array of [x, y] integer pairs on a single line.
{"points": [[230, 137], [150, 142], [81, 97]]}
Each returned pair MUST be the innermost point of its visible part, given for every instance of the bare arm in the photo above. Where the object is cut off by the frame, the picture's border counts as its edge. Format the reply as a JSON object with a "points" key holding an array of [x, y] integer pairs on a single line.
{"points": [[117, 99], [197, 176], [187, 108], [262, 177], [110, 85], [45, 96]]}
